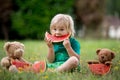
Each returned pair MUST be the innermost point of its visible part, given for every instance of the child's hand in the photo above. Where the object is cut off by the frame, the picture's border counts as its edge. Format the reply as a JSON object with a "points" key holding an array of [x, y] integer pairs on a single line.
{"points": [[66, 43], [49, 42]]}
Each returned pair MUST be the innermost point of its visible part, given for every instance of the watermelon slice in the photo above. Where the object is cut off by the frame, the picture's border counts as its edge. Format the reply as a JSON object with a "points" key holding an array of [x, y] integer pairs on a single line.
{"points": [[39, 66], [20, 64], [56, 38], [99, 69]]}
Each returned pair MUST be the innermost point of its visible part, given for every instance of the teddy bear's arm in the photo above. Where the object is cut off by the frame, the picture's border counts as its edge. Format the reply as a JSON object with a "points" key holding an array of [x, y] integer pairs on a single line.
{"points": [[108, 62], [93, 62], [22, 59], [5, 62]]}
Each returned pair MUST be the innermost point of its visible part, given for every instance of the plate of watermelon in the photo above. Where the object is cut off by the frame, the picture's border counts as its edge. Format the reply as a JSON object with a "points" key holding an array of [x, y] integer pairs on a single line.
{"points": [[20, 65], [99, 69]]}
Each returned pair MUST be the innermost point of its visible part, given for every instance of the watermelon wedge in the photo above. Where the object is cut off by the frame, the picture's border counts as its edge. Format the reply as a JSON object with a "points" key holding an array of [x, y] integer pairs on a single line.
{"points": [[56, 38], [20, 64], [39, 66], [99, 69]]}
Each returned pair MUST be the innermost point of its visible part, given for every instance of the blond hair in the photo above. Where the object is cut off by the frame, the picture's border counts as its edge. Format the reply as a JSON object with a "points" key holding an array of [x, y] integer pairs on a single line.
{"points": [[63, 19]]}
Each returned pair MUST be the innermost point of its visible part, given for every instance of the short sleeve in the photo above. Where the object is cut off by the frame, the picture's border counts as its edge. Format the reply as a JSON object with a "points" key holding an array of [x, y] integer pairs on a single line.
{"points": [[75, 45]]}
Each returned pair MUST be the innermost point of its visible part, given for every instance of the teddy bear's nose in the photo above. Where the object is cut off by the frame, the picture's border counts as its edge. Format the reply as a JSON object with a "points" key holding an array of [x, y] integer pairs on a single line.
{"points": [[102, 57], [21, 51]]}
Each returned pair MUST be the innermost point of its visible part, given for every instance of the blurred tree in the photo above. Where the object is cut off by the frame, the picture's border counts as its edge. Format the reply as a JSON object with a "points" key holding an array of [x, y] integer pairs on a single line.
{"points": [[113, 7], [34, 16], [90, 13], [6, 8]]}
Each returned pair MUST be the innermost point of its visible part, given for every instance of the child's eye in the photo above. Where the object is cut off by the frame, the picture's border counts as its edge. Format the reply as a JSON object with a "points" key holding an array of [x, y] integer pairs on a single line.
{"points": [[55, 29], [61, 29]]}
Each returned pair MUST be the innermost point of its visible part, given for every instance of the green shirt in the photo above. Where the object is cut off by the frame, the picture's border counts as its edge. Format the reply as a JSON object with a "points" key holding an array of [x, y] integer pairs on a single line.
{"points": [[60, 51], [61, 54]]}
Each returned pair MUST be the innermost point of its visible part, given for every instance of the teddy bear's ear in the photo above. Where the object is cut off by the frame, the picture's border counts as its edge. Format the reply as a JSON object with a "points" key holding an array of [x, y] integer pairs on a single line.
{"points": [[112, 55], [6, 46], [97, 51], [22, 45]]}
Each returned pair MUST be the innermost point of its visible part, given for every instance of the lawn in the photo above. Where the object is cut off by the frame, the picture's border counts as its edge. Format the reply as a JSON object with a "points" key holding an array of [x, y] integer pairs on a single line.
{"points": [[37, 50]]}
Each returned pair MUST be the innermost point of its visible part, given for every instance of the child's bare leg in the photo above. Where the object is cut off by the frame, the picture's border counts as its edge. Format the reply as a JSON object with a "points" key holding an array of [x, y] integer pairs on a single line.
{"points": [[71, 63]]}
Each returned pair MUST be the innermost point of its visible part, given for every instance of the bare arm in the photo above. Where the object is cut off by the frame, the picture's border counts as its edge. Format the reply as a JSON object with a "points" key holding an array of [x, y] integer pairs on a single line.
{"points": [[71, 52], [50, 55], [69, 49]]}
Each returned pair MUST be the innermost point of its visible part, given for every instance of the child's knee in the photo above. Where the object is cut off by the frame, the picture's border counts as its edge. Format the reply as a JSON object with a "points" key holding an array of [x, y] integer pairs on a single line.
{"points": [[75, 61]]}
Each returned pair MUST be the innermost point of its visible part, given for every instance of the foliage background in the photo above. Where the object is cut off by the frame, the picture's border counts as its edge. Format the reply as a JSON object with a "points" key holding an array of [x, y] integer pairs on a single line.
{"points": [[34, 16], [31, 18]]}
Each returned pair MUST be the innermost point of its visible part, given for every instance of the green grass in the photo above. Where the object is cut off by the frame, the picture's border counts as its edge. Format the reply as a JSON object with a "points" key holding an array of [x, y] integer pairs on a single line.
{"points": [[37, 50]]}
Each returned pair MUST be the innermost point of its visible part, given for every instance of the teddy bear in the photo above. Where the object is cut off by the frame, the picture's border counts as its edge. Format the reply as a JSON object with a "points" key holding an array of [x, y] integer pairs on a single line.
{"points": [[104, 55], [14, 52]]}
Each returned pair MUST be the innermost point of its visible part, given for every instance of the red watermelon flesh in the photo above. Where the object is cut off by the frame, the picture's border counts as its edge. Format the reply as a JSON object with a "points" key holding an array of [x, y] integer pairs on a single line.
{"points": [[20, 64], [56, 38], [99, 69], [39, 66]]}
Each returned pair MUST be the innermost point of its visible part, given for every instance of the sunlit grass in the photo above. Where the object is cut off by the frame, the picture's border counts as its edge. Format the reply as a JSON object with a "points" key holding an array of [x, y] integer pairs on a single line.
{"points": [[37, 50]]}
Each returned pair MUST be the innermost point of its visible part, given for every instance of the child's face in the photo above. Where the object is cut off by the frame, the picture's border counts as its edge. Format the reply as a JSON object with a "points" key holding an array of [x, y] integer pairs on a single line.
{"points": [[59, 30]]}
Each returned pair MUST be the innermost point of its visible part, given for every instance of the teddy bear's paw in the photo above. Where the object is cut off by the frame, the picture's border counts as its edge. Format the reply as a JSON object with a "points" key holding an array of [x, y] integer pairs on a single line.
{"points": [[89, 62], [5, 63], [13, 68], [108, 63], [92, 62]]}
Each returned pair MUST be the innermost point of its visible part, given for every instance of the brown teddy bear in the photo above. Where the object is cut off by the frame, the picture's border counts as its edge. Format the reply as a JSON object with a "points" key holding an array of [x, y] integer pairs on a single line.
{"points": [[14, 51], [105, 56]]}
